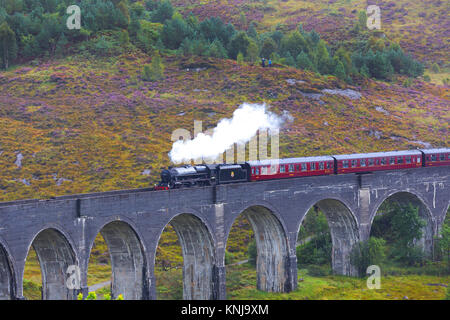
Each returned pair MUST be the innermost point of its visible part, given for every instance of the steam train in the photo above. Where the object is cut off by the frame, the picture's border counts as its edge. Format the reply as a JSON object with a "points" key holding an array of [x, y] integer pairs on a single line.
{"points": [[212, 174]]}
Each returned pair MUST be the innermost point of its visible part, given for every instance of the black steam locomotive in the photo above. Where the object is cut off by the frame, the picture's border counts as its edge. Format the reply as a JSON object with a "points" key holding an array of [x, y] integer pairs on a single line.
{"points": [[203, 175]]}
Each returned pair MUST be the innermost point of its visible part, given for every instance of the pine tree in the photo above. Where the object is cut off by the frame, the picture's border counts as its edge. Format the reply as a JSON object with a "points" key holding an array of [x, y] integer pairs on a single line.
{"points": [[8, 45], [339, 71], [252, 51], [269, 46], [323, 58], [303, 62]]}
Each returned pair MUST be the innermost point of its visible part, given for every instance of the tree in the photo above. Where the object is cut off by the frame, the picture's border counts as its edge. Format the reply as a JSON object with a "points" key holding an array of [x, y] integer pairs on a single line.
{"points": [[444, 244], [163, 13], [367, 253], [294, 43], [8, 45], [252, 51], [122, 6], [303, 62], [435, 68], [174, 32], [217, 50], [323, 57], [406, 228], [339, 71], [239, 43], [252, 33], [269, 46], [344, 57], [252, 253]]}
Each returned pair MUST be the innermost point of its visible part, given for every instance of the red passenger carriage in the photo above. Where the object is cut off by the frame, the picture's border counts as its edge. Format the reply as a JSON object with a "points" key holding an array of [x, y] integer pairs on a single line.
{"points": [[437, 157], [366, 162], [290, 168]]}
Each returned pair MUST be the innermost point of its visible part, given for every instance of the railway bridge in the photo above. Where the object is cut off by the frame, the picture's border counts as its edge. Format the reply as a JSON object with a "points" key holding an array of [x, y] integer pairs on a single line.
{"points": [[62, 230]]}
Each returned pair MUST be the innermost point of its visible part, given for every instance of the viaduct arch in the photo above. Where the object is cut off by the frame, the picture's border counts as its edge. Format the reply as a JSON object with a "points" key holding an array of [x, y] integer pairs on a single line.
{"points": [[62, 230]]}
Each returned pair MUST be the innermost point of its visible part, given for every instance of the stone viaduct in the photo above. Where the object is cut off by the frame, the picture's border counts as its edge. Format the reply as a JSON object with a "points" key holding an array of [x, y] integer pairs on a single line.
{"points": [[62, 230]]}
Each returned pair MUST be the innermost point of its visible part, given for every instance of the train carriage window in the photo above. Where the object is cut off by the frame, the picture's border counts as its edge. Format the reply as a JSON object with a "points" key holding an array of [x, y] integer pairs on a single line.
{"points": [[383, 161], [264, 170], [297, 167], [400, 160], [363, 162], [391, 160], [353, 163], [433, 157], [321, 166], [273, 169], [408, 159], [345, 164], [327, 165], [253, 170], [291, 168], [303, 166], [313, 166], [257, 171], [282, 169], [442, 157], [418, 159], [370, 162]]}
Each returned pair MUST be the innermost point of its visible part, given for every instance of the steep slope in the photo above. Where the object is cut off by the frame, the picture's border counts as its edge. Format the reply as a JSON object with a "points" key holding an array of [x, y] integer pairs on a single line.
{"points": [[77, 125], [421, 27]]}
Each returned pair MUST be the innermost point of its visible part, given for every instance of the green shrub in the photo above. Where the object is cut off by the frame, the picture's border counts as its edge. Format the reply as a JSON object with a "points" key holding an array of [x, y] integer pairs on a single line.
{"points": [[316, 251], [407, 83], [318, 270], [91, 296], [155, 70], [435, 68], [367, 253], [240, 58], [229, 257], [252, 253]]}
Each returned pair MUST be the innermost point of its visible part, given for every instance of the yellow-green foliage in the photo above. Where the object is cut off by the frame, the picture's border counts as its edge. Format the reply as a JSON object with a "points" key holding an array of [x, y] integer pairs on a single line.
{"points": [[243, 286]]}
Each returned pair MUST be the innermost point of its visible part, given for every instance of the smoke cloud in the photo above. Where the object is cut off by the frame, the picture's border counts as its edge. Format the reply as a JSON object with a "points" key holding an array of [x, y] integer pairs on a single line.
{"points": [[245, 123]]}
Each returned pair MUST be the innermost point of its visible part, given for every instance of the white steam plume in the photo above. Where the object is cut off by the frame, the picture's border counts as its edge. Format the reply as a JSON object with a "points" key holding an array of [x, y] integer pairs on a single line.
{"points": [[246, 121]]}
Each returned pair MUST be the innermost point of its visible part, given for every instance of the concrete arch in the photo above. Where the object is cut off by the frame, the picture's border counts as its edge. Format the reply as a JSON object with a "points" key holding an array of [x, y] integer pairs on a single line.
{"points": [[405, 197], [197, 246], [128, 263], [272, 263], [7, 276], [444, 216], [55, 253], [344, 231]]}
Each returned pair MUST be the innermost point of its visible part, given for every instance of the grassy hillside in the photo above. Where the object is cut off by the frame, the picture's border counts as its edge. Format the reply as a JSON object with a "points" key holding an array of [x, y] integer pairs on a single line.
{"points": [[84, 125], [421, 27]]}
